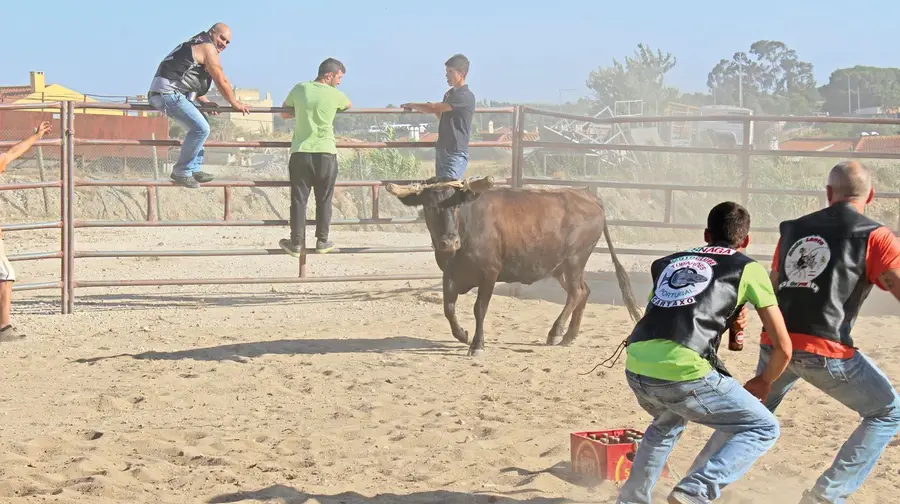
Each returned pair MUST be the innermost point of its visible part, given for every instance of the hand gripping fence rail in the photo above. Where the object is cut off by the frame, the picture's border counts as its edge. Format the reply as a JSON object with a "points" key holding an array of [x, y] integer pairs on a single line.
{"points": [[66, 145]]}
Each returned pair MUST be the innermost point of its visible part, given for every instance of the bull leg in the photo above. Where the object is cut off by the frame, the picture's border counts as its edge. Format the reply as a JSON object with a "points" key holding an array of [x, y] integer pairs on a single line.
{"points": [[575, 323], [555, 334], [485, 291], [450, 297]]}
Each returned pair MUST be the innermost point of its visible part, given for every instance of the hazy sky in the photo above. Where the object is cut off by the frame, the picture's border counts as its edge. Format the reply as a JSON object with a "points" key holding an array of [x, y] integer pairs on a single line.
{"points": [[521, 50]]}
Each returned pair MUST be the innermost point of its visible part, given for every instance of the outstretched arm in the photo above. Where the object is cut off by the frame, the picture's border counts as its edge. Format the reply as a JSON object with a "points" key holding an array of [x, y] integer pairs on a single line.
{"points": [[428, 108], [22, 147], [207, 56]]}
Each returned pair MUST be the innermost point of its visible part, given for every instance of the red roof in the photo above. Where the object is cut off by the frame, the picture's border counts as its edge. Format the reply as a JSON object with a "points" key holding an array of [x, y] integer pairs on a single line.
{"points": [[14, 93], [818, 144], [888, 144]]}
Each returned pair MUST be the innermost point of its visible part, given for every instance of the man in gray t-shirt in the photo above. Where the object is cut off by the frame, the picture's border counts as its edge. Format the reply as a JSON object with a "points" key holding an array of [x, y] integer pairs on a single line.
{"points": [[455, 114]]}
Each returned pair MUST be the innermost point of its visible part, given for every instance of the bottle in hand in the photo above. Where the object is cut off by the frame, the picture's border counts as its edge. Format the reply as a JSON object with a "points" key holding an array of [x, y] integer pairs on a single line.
{"points": [[735, 339]]}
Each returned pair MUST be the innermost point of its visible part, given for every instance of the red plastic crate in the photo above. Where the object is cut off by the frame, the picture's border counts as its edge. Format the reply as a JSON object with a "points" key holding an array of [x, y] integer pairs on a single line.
{"points": [[604, 461]]}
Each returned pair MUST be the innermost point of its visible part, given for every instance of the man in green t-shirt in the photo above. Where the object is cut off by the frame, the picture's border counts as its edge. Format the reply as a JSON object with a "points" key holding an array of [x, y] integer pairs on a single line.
{"points": [[313, 164], [674, 370]]}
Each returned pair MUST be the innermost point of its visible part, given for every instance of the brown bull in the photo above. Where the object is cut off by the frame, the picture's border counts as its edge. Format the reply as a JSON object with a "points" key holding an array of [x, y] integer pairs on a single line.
{"points": [[482, 236]]}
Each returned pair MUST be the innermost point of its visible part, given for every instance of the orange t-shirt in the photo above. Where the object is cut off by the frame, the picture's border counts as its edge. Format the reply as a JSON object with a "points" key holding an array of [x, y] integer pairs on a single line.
{"points": [[882, 254]]}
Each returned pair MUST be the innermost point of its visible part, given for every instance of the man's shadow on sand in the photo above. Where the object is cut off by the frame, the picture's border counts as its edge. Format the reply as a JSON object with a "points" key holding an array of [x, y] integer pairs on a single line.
{"points": [[241, 352], [290, 495], [561, 470]]}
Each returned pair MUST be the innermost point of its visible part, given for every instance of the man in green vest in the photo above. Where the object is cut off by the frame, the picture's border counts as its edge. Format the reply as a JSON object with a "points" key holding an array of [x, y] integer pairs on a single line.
{"points": [[674, 370]]}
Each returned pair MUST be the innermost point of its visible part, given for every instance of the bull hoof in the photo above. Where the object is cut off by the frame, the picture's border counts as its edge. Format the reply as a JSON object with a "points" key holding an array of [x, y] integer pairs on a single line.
{"points": [[462, 338], [567, 342], [553, 340], [476, 352]]}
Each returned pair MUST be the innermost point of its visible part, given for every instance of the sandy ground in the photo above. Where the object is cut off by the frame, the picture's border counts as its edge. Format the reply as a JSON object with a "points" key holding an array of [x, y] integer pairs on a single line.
{"points": [[342, 393]]}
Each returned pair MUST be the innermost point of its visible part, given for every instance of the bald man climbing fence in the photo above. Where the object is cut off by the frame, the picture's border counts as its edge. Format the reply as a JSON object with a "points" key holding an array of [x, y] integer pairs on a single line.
{"points": [[824, 267], [187, 73]]}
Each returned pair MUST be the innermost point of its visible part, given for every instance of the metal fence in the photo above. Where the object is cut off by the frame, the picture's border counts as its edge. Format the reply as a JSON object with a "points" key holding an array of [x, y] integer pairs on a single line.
{"points": [[69, 145]]}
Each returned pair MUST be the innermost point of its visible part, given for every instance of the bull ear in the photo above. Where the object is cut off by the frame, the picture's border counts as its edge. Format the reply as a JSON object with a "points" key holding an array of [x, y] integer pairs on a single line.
{"points": [[411, 200], [481, 185], [464, 196]]}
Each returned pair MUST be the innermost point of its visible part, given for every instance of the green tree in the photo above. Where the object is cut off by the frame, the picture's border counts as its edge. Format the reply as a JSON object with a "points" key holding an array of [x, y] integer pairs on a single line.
{"points": [[770, 78], [640, 77], [861, 87]]}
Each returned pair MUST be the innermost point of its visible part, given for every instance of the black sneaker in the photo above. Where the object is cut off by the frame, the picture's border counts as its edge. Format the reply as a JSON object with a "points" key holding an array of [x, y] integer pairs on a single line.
{"points": [[203, 177], [189, 182], [324, 246], [10, 333], [289, 247]]}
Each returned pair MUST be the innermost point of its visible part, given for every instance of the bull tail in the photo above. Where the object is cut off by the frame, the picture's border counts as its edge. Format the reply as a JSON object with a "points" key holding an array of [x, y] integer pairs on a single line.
{"points": [[622, 278]]}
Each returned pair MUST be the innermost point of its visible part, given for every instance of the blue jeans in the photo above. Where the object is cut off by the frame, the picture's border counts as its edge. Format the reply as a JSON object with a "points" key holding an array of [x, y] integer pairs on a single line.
{"points": [[858, 384], [716, 401], [185, 113], [450, 164]]}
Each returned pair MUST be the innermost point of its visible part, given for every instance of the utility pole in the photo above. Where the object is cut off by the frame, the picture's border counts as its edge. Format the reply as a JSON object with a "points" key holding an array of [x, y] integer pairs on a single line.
{"points": [[740, 84], [849, 103]]}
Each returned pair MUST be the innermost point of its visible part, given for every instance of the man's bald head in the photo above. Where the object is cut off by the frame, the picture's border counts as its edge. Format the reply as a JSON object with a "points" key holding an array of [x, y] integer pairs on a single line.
{"points": [[849, 181], [220, 28], [220, 34]]}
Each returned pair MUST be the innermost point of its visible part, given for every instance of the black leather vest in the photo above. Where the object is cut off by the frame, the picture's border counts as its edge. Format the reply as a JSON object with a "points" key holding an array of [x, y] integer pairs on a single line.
{"points": [[694, 300], [822, 279], [180, 68]]}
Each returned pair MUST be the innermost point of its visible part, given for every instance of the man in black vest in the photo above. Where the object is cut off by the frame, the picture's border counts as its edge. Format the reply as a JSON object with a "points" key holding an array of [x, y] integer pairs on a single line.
{"points": [[674, 370], [824, 267], [187, 72]]}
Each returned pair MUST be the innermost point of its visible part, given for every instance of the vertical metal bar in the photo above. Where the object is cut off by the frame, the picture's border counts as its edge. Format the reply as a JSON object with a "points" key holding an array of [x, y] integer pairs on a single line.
{"points": [[518, 121], [375, 193], [745, 162], [63, 210], [670, 196], [227, 215], [155, 160], [303, 262], [70, 199], [151, 204], [517, 169]]}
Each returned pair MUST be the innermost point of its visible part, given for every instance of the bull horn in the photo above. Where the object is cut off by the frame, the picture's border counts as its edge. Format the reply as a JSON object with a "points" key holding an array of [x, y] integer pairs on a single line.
{"points": [[480, 185], [402, 191]]}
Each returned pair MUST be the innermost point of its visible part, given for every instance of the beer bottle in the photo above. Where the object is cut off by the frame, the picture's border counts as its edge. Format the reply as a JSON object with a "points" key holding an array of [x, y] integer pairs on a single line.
{"points": [[735, 339]]}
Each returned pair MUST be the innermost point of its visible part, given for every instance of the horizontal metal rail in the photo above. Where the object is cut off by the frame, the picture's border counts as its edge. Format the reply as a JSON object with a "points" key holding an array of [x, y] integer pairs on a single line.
{"points": [[238, 223], [244, 183], [712, 118], [251, 281], [344, 250], [687, 188], [51, 142], [35, 256], [278, 144], [240, 252], [28, 226], [30, 106], [274, 110], [709, 150], [37, 286], [30, 185]]}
